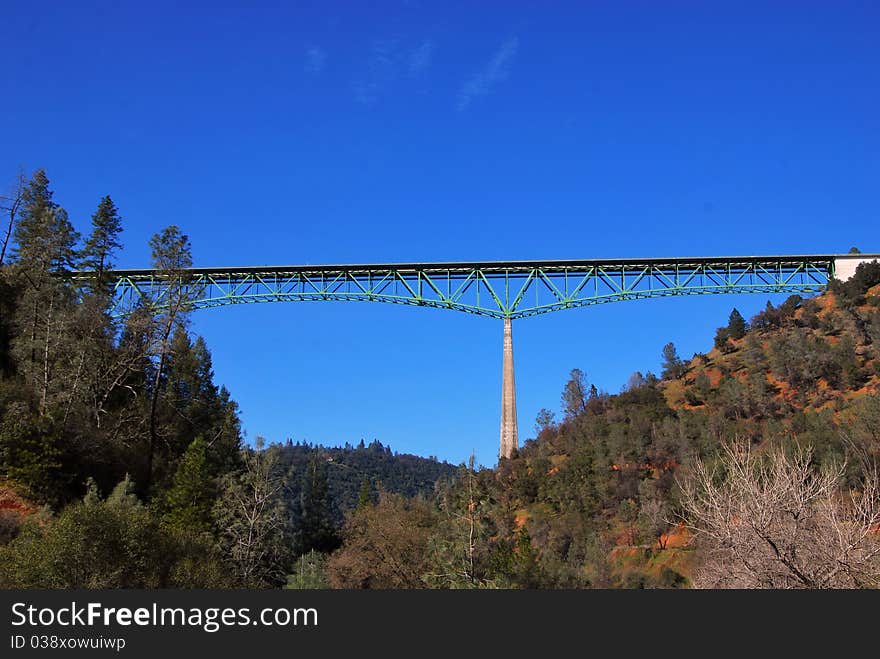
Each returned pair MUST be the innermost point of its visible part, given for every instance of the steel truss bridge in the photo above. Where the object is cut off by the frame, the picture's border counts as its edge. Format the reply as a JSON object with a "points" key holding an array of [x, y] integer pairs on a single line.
{"points": [[511, 289], [498, 289]]}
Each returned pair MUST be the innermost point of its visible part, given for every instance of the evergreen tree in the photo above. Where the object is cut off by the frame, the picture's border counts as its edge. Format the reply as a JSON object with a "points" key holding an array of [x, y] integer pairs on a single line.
{"points": [[736, 325], [45, 245], [191, 498], [673, 366], [309, 573], [102, 244], [316, 528], [45, 240], [365, 496], [29, 452]]}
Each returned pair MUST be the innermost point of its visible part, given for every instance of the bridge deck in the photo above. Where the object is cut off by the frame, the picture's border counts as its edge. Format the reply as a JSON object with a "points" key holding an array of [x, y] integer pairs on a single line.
{"points": [[500, 289]]}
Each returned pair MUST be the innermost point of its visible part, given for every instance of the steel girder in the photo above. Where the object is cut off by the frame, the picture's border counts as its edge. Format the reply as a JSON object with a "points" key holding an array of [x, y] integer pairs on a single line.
{"points": [[516, 289]]}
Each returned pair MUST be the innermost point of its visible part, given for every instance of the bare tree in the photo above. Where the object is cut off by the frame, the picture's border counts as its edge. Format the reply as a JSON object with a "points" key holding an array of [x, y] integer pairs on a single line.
{"points": [[776, 521], [456, 554], [10, 205], [251, 514]]}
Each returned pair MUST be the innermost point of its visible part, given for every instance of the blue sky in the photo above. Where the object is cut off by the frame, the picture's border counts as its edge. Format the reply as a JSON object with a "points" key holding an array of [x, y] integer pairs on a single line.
{"points": [[427, 131]]}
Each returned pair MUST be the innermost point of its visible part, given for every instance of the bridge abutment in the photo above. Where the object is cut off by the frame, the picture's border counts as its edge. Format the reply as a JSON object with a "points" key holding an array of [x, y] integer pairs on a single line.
{"points": [[845, 265], [509, 433]]}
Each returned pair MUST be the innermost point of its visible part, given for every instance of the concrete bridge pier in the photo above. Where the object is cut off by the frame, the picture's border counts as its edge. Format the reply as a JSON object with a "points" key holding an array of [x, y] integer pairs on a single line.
{"points": [[509, 434]]}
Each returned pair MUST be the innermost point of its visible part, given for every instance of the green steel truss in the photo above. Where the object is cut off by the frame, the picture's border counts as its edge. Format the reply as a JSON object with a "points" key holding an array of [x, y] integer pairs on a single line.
{"points": [[516, 289]]}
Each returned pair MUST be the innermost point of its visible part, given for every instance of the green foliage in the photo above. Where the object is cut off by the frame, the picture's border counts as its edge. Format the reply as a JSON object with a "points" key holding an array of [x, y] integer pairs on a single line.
{"points": [[29, 451], [852, 292], [345, 469], [171, 250], [736, 329], [100, 248], [544, 420], [112, 543], [736, 325], [575, 394], [365, 496], [672, 365], [83, 399], [310, 573], [315, 530], [190, 499], [45, 240]]}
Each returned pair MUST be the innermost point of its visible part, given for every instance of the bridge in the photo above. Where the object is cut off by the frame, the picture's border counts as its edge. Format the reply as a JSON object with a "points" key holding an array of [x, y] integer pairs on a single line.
{"points": [[506, 290]]}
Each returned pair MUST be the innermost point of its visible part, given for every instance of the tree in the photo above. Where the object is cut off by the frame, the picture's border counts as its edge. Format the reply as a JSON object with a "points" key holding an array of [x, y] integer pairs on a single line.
{"points": [[190, 499], [29, 451], [673, 366], [654, 512], [309, 573], [45, 246], [172, 255], [736, 325], [316, 528], [775, 521], [635, 381], [385, 545], [45, 239], [10, 204], [106, 543], [544, 420], [102, 244], [251, 516], [575, 393], [458, 548], [365, 495]]}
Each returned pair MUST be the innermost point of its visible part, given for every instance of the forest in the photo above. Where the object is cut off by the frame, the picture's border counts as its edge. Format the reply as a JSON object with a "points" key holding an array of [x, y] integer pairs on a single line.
{"points": [[123, 464]]}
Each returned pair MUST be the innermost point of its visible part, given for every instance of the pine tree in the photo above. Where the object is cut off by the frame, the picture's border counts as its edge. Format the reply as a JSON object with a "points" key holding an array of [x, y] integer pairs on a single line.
{"points": [[365, 497], [673, 365], [736, 325], [316, 528], [45, 241], [29, 452], [102, 244], [45, 245], [190, 499]]}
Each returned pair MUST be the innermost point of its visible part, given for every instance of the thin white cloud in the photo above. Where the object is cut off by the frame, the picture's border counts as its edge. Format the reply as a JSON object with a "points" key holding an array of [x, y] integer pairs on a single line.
{"points": [[420, 58], [495, 71], [387, 63], [380, 70], [316, 58]]}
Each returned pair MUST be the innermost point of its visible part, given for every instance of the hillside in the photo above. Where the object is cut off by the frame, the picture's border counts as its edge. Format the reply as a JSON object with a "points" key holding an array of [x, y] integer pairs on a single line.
{"points": [[350, 470], [594, 500], [805, 372]]}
